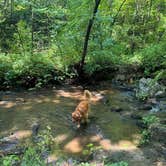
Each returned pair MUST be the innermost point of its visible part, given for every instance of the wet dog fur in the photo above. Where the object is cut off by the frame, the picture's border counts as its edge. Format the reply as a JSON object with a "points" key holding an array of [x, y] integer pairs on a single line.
{"points": [[82, 110]]}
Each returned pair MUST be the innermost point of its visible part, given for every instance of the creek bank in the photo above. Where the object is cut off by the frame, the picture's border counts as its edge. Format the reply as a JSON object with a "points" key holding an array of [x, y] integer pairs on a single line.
{"points": [[13, 144]]}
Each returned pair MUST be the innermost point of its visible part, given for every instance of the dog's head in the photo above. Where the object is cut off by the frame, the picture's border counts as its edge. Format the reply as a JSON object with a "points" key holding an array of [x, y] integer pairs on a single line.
{"points": [[76, 117]]}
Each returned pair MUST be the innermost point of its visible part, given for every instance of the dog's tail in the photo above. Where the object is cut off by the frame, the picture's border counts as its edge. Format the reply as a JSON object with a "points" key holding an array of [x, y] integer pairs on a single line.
{"points": [[87, 94]]}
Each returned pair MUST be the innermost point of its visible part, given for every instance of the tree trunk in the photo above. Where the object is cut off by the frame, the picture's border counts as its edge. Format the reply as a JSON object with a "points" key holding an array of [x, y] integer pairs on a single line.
{"points": [[88, 31], [11, 8], [21, 41], [5, 4], [116, 16], [32, 30], [150, 8]]}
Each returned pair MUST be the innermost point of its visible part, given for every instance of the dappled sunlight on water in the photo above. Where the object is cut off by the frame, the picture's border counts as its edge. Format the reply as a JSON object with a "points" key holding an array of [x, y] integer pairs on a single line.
{"points": [[54, 107], [7, 104], [60, 138], [20, 134], [75, 145]]}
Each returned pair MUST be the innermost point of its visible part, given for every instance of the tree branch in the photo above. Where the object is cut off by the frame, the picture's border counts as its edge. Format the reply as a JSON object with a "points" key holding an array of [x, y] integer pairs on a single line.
{"points": [[89, 27], [116, 16]]}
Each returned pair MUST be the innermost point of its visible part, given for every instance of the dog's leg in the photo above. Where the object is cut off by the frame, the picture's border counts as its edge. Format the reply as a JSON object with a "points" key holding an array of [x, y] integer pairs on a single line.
{"points": [[78, 125], [86, 118]]}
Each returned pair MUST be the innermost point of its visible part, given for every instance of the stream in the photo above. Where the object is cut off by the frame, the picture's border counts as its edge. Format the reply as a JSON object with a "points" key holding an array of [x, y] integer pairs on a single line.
{"points": [[107, 126]]}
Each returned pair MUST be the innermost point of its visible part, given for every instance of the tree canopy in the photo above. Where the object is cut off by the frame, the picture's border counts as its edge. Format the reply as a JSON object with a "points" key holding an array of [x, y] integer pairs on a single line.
{"points": [[55, 33]]}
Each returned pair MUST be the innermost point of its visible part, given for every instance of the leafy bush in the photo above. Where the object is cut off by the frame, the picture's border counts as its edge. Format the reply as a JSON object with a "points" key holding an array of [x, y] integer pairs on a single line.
{"points": [[148, 88], [90, 149], [5, 66], [146, 134], [46, 139], [149, 120], [29, 71], [9, 160], [32, 158], [101, 61], [33, 154], [153, 57], [122, 163]]}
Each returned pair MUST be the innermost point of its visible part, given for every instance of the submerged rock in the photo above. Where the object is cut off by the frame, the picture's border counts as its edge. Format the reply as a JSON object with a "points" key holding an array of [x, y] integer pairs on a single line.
{"points": [[9, 146], [155, 109], [120, 77], [159, 106], [152, 101], [116, 109], [146, 107], [162, 105], [140, 124], [160, 94], [35, 128], [136, 116], [158, 133]]}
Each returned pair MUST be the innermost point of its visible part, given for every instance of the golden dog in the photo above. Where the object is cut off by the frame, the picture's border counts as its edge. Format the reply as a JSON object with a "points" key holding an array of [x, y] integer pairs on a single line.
{"points": [[81, 112]]}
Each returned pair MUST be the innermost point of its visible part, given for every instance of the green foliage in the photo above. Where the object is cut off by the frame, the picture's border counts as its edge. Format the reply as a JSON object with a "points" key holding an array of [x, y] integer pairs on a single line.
{"points": [[22, 38], [142, 96], [90, 149], [149, 120], [160, 75], [153, 57], [86, 164], [54, 31], [122, 163], [148, 88], [29, 71], [46, 140], [146, 134], [9, 160], [32, 158], [145, 137], [33, 154], [101, 62]]}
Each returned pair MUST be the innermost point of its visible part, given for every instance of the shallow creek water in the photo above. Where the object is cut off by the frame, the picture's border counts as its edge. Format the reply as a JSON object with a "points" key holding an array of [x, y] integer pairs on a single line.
{"points": [[53, 107]]}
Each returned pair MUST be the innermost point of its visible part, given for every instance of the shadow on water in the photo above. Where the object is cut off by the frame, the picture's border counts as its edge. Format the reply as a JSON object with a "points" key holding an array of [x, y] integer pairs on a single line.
{"points": [[19, 110]]}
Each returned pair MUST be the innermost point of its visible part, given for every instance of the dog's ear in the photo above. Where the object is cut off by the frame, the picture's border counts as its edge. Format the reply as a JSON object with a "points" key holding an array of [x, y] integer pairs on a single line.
{"points": [[73, 117]]}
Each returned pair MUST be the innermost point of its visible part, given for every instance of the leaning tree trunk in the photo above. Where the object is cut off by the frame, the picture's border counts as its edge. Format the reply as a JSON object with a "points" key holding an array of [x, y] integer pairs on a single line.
{"points": [[11, 8], [32, 29], [116, 16], [88, 31]]}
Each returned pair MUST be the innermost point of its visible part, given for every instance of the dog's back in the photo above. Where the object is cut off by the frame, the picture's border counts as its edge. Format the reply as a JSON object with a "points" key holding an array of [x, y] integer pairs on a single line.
{"points": [[83, 107], [81, 111]]}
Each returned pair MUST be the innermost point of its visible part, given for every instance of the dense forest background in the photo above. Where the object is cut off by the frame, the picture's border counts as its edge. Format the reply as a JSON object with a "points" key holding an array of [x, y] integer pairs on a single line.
{"points": [[43, 42]]}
